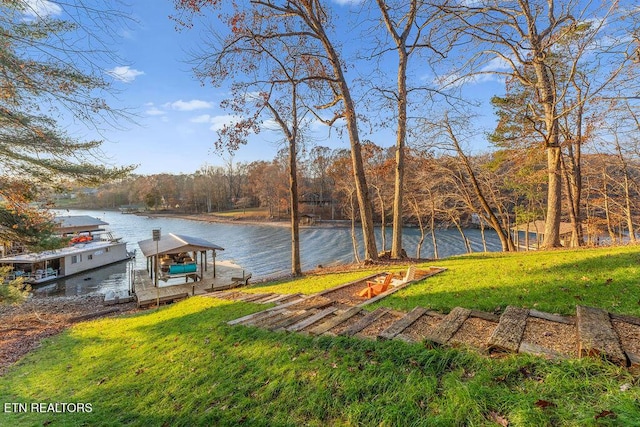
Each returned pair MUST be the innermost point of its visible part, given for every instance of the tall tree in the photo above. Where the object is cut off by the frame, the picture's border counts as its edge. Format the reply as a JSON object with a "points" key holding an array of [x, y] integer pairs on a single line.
{"points": [[524, 36], [50, 66], [405, 22], [304, 24]]}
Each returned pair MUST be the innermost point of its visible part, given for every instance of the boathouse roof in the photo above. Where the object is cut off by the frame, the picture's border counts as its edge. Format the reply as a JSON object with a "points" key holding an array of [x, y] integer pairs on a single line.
{"points": [[78, 223], [176, 243]]}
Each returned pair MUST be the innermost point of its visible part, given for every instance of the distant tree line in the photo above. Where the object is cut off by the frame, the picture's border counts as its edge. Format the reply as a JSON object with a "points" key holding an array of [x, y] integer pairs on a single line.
{"points": [[443, 189]]}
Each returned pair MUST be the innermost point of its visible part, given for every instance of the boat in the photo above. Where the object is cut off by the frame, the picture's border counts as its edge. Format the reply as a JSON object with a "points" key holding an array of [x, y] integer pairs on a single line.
{"points": [[90, 247]]}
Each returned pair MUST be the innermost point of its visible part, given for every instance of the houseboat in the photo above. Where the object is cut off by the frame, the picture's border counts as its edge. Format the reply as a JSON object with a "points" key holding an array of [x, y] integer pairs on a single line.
{"points": [[90, 247]]}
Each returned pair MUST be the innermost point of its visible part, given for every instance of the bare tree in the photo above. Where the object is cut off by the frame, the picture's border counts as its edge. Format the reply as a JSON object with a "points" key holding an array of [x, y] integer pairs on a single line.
{"points": [[524, 36], [303, 24]]}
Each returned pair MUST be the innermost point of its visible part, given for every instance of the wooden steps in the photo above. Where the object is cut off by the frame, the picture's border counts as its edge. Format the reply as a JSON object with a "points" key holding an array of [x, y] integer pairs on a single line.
{"points": [[592, 332], [596, 336], [595, 328], [508, 335], [449, 326]]}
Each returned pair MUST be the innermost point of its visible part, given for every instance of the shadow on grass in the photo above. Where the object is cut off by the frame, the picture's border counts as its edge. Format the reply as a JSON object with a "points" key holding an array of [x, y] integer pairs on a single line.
{"points": [[608, 281], [182, 365]]}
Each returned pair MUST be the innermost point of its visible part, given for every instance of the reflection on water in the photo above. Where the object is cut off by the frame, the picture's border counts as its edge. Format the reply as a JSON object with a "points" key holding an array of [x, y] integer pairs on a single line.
{"points": [[263, 250]]}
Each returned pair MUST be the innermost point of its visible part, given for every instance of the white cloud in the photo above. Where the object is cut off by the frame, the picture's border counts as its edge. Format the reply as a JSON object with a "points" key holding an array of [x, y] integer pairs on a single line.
{"points": [[125, 74], [205, 118], [492, 71], [153, 111], [218, 122], [194, 104], [38, 9]]}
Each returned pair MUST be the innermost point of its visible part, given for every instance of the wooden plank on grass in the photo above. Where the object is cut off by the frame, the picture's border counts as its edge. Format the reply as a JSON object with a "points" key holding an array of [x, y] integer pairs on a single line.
{"points": [[272, 321], [289, 319], [508, 333], [485, 316], [535, 349], [247, 297], [262, 298], [335, 321], [449, 325], [596, 336], [311, 320], [402, 323], [275, 298], [404, 337], [249, 317], [551, 317], [304, 315], [365, 321], [625, 318], [163, 300]]}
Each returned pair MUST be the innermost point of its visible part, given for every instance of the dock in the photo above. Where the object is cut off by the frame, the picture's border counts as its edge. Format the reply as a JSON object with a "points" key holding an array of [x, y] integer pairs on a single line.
{"points": [[227, 277]]}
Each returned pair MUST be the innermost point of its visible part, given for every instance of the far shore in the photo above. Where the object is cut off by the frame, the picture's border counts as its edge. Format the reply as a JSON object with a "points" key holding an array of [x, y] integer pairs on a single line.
{"points": [[250, 220]]}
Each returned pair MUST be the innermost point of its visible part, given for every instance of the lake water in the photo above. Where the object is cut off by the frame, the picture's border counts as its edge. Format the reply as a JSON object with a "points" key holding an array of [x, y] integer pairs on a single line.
{"points": [[263, 250]]}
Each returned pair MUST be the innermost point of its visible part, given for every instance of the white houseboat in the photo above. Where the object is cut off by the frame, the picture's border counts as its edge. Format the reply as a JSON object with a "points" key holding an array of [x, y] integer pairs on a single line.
{"points": [[90, 247]]}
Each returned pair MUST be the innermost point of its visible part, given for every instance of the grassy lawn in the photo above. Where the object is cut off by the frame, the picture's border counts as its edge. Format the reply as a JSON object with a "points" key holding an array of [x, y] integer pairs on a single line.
{"points": [[182, 365], [553, 281]]}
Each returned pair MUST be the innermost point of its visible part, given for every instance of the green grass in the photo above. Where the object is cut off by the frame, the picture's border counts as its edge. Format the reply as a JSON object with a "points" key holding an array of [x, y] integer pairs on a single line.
{"points": [[553, 281], [182, 365]]}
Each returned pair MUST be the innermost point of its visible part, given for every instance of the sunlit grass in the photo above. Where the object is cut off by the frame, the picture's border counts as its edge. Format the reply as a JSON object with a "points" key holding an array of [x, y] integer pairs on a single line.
{"points": [[183, 366], [553, 281]]}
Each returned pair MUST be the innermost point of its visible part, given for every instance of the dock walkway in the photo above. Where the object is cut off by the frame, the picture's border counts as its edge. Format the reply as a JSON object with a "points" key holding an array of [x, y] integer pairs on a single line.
{"points": [[172, 290]]}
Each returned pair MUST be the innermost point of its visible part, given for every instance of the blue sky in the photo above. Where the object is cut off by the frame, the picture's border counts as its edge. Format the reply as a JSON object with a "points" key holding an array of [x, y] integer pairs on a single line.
{"points": [[176, 116]]}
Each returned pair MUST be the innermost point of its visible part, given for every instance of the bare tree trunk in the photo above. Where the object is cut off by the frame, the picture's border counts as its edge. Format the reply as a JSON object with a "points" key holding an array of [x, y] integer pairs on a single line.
{"points": [[416, 211], [484, 240], [400, 37], [554, 190], [362, 190], [627, 192], [461, 231], [433, 229], [296, 268], [354, 241], [503, 235], [383, 220], [605, 192]]}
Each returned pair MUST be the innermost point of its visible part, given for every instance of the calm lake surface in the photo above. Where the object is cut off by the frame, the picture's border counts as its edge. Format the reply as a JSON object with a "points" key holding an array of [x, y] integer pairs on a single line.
{"points": [[263, 250]]}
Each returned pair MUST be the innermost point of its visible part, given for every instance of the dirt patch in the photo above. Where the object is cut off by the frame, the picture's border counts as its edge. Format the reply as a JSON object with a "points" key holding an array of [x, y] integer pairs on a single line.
{"points": [[379, 325], [344, 325], [422, 327], [629, 336], [474, 332], [559, 337], [312, 302], [24, 326]]}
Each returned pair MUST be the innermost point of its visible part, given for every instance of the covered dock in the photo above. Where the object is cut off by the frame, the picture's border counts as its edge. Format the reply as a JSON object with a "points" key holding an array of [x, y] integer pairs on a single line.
{"points": [[175, 247], [172, 257]]}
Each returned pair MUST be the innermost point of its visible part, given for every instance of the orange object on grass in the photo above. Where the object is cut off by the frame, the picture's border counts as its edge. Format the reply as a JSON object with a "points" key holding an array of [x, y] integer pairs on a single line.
{"points": [[375, 288]]}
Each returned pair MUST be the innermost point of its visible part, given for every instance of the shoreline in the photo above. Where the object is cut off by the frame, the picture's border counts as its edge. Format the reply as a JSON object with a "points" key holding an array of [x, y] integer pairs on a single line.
{"points": [[212, 218]]}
